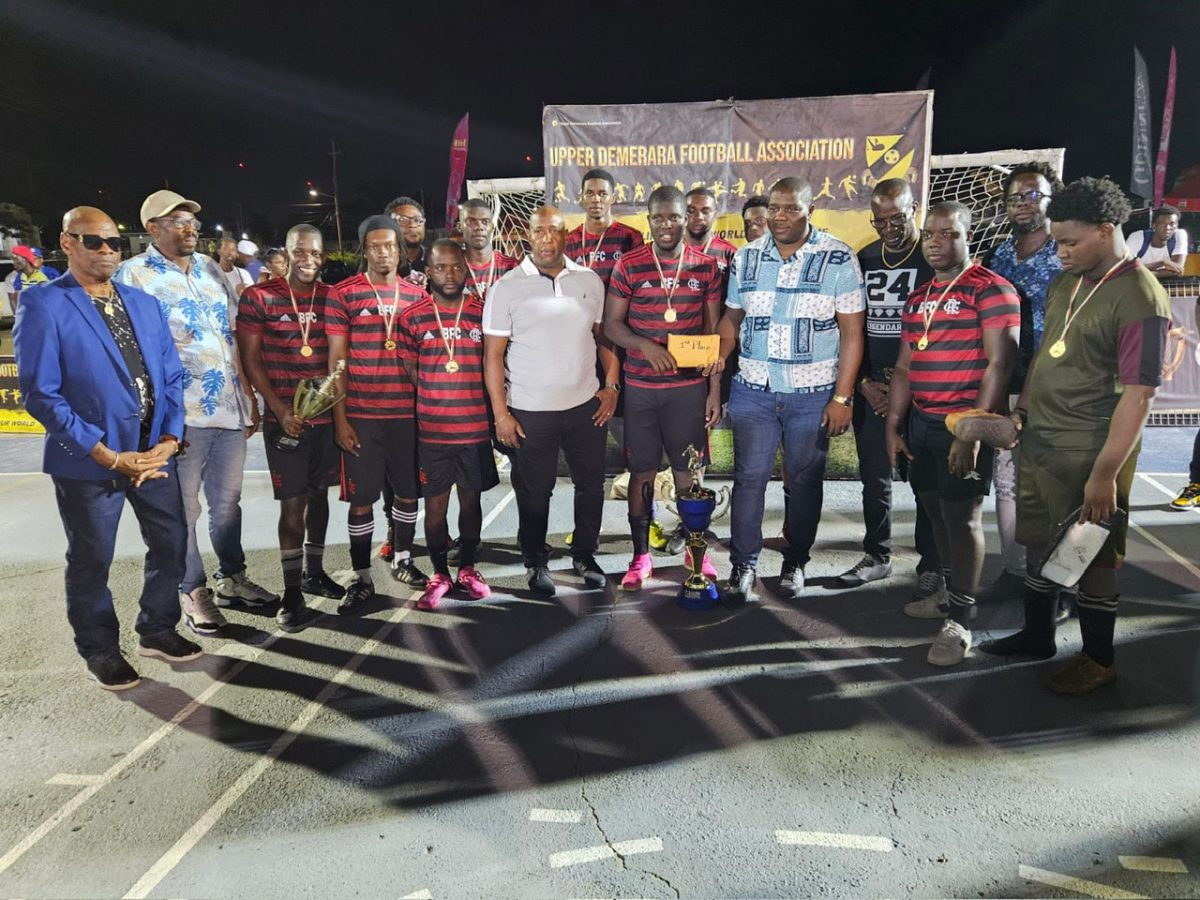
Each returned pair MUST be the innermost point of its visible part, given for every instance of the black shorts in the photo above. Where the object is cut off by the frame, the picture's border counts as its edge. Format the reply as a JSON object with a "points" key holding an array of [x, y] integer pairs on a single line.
{"points": [[929, 441], [388, 452], [663, 418], [313, 466], [470, 466]]}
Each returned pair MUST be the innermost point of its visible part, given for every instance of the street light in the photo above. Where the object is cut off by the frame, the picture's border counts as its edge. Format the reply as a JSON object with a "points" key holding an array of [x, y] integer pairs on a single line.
{"points": [[219, 229], [337, 208]]}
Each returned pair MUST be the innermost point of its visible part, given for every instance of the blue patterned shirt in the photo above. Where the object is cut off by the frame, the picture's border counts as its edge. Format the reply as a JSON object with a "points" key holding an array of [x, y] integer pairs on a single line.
{"points": [[1031, 277], [789, 339], [200, 310]]}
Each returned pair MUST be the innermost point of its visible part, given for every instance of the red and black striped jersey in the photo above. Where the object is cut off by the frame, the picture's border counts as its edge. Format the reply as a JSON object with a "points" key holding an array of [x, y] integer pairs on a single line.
{"points": [[722, 251], [377, 386], [636, 279], [601, 252], [266, 309], [481, 278], [451, 406], [946, 375]]}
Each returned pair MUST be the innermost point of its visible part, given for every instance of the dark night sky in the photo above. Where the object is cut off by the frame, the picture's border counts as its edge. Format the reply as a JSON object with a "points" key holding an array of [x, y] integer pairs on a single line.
{"points": [[102, 101]]}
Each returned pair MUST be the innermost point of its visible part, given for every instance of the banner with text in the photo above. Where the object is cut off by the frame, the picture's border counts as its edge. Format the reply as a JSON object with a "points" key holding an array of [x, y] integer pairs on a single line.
{"points": [[738, 148], [13, 417]]}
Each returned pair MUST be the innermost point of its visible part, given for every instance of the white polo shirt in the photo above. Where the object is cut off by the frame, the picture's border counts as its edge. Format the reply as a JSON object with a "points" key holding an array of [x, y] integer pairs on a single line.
{"points": [[551, 359]]}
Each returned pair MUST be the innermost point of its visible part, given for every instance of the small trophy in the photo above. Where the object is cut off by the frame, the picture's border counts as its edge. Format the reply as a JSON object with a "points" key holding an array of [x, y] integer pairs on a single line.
{"points": [[313, 397], [696, 508]]}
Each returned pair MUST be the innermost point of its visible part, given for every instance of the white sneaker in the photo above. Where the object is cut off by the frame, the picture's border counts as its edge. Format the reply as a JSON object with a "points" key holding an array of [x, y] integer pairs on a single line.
{"points": [[950, 646], [200, 614], [238, 590], [936, 606]]}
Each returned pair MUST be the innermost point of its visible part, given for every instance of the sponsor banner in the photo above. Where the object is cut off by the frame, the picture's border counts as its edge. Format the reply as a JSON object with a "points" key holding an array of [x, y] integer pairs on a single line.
{"points": [[458, 171], [1142, 172], [843, 146], [13, 417]]}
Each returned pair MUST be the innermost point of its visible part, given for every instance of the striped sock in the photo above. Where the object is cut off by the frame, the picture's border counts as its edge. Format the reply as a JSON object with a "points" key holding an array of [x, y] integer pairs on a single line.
{"points": [[960, 606], [362, 529], [404, 527], [290, 561]]}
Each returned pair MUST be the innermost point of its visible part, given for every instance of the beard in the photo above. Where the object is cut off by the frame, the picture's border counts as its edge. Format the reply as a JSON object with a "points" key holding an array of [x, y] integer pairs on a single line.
{"points": [[1029, 227]]}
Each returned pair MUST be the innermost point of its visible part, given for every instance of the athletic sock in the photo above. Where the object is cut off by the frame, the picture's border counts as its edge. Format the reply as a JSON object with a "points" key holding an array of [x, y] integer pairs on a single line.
{"points": [[639, 530], [1036, 637], [362, 529], [960, 607], [1097, 622], [437, 555], [404, 527], [291, 561], [314, 558]]}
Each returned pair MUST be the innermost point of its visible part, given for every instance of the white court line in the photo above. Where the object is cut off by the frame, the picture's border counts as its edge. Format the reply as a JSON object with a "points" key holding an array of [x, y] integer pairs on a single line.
{"points": [[495, 511], [73, 780], [422, 894], [561, 816], [1078, 885], [118, 768], [605, 851], [1153, 864], [1146, 477], [1186, 563], [204, 824], [835, 839]]}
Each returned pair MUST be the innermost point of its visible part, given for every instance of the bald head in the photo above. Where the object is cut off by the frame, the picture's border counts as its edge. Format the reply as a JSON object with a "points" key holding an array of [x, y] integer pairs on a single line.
{"points": [[84, 226], [898, 189], [893, 214], [547, 239], [86, 220]]}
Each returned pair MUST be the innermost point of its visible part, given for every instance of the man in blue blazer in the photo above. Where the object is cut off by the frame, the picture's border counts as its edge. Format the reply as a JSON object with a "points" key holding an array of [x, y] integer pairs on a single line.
{"points": [[98, 368]]}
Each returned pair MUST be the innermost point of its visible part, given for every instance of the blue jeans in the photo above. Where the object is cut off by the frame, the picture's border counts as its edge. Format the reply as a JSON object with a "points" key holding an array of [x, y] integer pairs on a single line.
{"points": [[90, 512], [760, 420], [216, 459]]}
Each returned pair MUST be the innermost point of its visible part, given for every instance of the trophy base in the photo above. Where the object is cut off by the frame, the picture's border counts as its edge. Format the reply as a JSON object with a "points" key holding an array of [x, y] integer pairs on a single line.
{"points": [[695, 597]]}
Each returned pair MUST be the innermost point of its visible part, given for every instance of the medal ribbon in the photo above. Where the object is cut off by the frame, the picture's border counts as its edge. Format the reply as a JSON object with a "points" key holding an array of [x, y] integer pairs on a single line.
{"points": [[928, 312], [662, 279]]}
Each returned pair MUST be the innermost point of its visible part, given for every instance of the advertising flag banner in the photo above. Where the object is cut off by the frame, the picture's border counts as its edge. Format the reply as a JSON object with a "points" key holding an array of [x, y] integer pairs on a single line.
{"points": [[1164, 139], [458, 171], [1142, 173]]}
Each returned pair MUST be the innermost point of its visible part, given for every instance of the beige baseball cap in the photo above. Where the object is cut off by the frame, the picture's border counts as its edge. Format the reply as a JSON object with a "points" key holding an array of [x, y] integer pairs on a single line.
{"points": [[162, 202]]}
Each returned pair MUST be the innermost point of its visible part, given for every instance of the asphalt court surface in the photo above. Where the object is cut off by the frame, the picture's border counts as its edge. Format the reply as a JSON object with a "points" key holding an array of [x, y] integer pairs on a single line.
{"points": [[600, 744]]}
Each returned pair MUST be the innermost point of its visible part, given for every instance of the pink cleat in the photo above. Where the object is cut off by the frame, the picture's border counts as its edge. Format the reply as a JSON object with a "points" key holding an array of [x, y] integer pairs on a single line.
{"points": [[469, 578], [640, 569], [706, 565], [437, 588]]}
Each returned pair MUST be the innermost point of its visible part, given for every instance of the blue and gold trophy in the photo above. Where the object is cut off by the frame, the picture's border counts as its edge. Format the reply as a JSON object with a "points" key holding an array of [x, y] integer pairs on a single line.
{"points": [[696, 507]]}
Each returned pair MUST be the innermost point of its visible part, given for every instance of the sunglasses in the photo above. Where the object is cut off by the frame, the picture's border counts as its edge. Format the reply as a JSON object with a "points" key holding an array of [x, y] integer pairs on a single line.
{"points": [[95, 242]]}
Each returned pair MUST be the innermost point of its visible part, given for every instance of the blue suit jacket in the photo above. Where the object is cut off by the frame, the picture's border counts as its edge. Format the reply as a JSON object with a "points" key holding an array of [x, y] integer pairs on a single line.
{"points": [[76, 383]]}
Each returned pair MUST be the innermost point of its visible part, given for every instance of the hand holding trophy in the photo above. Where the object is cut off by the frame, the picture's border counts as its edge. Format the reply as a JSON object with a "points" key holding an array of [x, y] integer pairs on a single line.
{"points": [[313, 397]]}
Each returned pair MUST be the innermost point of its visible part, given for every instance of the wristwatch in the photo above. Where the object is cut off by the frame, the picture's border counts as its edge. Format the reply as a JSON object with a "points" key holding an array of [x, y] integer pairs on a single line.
{"points": [[613, 387], [847, 402]]}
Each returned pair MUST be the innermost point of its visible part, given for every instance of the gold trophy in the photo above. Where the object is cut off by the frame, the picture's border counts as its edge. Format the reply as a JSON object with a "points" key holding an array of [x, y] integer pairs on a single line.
{"points": [[313, 397], [696, 507]]}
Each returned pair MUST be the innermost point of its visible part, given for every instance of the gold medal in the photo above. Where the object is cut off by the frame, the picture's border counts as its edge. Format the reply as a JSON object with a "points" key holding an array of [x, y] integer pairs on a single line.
{"points": [[389, 344], [306, 350], [451, 366], [108, 309], [670, 315], [922, 343], [1058, 348]]}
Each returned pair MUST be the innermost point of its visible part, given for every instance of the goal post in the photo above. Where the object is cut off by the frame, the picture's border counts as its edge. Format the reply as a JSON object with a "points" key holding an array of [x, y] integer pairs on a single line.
{"points": [[512, 201]]}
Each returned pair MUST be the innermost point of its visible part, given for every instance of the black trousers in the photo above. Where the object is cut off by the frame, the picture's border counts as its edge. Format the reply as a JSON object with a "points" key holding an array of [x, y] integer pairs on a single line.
{"points": [[875, 471], [535, 470]]}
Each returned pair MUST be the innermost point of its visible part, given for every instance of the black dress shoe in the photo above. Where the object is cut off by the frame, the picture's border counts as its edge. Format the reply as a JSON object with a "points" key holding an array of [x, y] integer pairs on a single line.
{"points": [[540, 582], [321, 585], [112, 671], [587, 568]]}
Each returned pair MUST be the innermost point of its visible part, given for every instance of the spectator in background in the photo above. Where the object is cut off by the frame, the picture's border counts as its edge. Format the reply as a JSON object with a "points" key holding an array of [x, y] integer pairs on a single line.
{"points": [[410, 216], [754, 217], [28, 270], [227, 257], [1163, 249], [276, 267], [248, 259]]}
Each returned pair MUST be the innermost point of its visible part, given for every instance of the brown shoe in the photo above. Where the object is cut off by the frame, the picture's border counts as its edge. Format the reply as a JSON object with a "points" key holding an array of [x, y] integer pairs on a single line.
{"points": [[1081, 675]]}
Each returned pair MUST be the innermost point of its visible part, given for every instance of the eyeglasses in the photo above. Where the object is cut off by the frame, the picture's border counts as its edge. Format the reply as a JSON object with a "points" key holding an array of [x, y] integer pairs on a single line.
{"points": [[180, 222], [410, 220], [897, 221], [787, 210], [95, 242], [660, 221], [1027, 197]]}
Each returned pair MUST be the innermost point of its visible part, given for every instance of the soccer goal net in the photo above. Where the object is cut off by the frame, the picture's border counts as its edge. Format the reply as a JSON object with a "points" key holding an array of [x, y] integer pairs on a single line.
{"points": [[512, 200], [977, 180]]}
